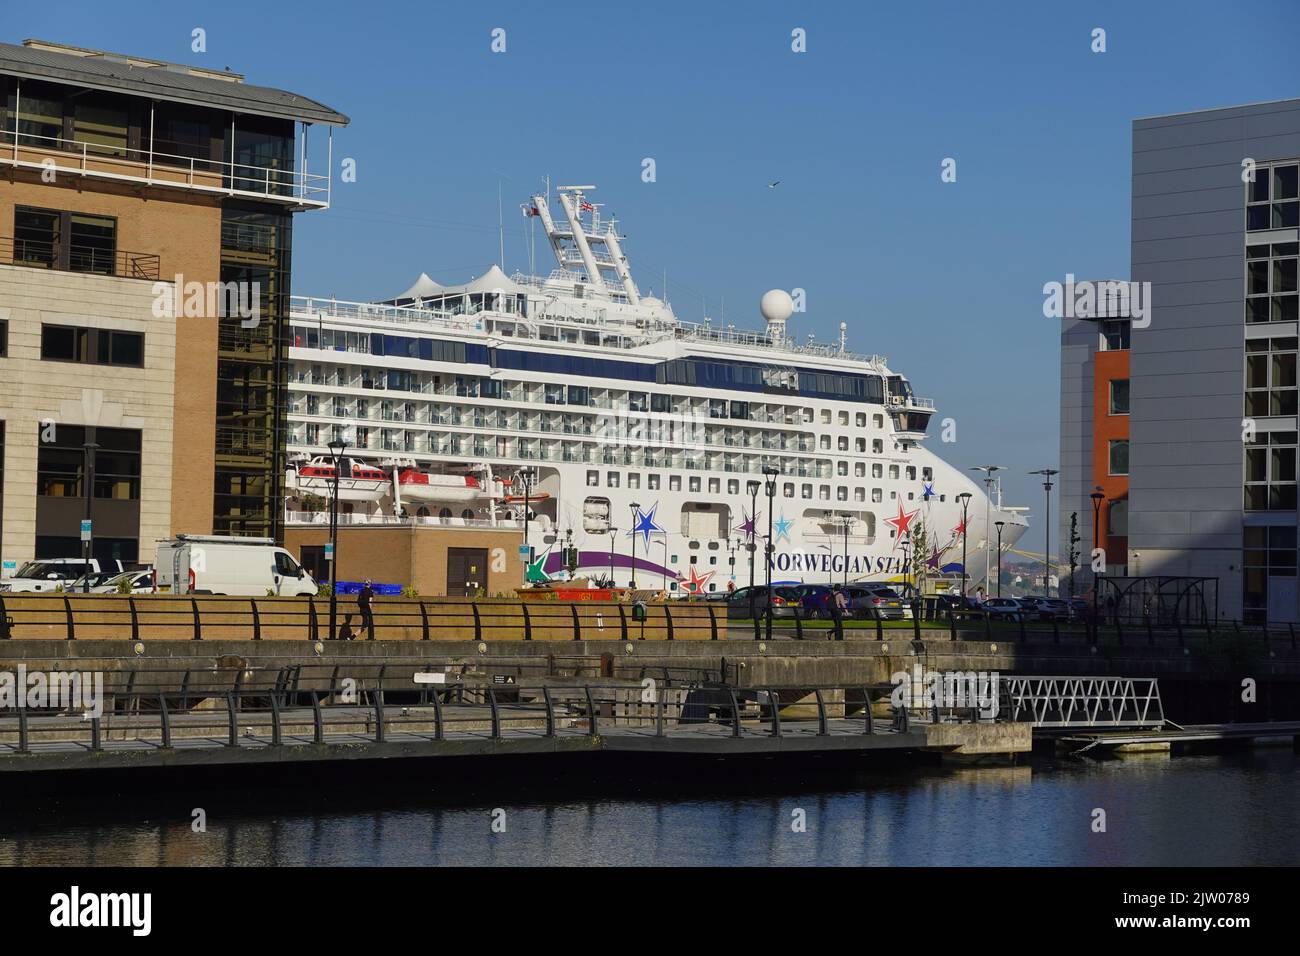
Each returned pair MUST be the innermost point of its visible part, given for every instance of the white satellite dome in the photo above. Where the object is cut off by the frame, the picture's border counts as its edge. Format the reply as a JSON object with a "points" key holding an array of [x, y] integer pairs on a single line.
{"points": [[776, 305]]}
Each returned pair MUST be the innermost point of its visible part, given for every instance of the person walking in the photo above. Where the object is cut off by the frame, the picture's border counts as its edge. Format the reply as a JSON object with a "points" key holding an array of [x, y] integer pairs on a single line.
{"points": [[364, 597]]}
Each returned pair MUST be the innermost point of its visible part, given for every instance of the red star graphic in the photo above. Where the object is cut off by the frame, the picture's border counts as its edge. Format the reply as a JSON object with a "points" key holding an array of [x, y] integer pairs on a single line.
{"points": [[960, 529], [695, 584], [902, 522]]}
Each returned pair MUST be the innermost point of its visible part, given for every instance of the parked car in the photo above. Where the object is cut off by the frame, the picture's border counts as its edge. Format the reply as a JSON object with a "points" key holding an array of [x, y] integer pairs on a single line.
{"points": [[875, 602], [955, 603], [1045, 608], [815, 600], [1003, 609], [752, 602], [52, 574], [141, 582]]}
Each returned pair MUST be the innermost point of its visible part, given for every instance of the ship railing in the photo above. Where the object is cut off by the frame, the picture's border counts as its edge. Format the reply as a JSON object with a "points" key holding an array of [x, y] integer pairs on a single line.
{"points": [[101, 161], [369, 312], [322, 518]]}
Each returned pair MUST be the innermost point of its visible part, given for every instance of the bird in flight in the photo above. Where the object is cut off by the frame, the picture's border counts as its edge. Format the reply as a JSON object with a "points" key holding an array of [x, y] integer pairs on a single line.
{"points": [[773, 184]]}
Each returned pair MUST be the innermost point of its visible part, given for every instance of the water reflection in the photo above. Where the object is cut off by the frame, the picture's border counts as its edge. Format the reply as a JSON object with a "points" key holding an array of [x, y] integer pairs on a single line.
{"points": [[1241, 809]]}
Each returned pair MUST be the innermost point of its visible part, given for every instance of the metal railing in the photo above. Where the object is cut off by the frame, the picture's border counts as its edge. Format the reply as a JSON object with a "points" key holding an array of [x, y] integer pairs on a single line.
{"points": [[164, 169], [74, 258], [319, 703], [1060, 702], [68, 616]]}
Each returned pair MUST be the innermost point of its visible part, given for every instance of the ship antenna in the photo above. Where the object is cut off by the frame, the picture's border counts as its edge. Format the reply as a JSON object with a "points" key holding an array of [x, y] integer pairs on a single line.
{"points": [[501, 227]]}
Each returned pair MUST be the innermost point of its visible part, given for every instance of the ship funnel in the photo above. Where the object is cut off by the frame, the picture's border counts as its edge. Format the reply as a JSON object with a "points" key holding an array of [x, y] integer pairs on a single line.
{"points": [[776, 306]]}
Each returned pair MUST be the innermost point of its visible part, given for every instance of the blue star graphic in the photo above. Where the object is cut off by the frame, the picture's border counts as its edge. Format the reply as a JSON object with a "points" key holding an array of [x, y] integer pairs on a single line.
{"points": [[645, 526], [929, 491], [782, 528]]}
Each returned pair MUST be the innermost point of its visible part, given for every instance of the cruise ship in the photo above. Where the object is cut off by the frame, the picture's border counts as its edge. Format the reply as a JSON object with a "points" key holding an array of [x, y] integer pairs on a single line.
{"points": [[631, 447]]}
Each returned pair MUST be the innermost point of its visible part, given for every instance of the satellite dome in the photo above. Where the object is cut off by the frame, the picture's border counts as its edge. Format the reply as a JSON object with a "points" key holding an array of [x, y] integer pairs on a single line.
{"points": [[776, 305]]}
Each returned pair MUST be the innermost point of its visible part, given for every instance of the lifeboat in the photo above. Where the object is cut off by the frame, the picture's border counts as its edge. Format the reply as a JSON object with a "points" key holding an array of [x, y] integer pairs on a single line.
{"points": [[358, 481], [416, 485]]}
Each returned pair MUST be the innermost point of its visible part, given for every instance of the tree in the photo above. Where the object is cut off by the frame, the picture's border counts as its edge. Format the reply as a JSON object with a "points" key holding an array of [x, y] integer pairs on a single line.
{"points": [[920, 555]]}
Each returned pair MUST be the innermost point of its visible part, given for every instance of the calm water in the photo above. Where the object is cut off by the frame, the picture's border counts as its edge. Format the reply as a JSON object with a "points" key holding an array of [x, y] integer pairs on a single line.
{"points": [[1239, 809]]}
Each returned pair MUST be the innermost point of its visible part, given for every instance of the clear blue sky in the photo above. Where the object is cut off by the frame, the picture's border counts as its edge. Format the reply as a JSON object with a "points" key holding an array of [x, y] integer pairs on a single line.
{"points": [[945, 279]]}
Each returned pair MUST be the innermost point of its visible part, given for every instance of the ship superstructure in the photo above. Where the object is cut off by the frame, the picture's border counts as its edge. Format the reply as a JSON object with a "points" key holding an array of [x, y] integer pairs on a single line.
{"points": [[646, 443]]}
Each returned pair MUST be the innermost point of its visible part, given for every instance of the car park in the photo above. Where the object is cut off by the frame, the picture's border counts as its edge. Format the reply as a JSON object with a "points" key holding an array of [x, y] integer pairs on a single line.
{"points": [[815, 600]]}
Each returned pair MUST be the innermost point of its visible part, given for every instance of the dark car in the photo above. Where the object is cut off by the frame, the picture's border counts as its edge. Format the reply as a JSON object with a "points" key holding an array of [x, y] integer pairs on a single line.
{"points": [[875, 602], [1044, 608], [815, 600], [752, 602]]}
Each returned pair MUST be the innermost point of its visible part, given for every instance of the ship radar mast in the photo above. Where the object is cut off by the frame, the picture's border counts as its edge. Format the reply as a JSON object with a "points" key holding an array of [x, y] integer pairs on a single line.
{"points": [[594, 251], [776, 307]]}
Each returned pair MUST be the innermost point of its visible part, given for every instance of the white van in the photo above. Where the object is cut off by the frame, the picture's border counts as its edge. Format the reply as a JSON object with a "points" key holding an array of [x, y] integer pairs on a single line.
{"points": [[212, 564]]}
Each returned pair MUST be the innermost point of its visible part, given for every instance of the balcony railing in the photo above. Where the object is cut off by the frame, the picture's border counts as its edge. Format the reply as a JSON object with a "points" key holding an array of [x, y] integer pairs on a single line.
{"points": [[98, 161], [74, 258]]}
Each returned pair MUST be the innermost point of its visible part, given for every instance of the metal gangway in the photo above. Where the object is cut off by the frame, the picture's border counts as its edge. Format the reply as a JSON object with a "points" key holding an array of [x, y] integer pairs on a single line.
{"points": [[1082, 702]]}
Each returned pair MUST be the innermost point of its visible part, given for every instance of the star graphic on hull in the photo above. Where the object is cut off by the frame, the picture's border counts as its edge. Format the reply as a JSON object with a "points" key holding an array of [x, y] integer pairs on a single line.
{"points": [[644, 525], [928, 491], [781, 528], [535, 574], [695, 583], [960, 529], [747, 527], [902, 523]]}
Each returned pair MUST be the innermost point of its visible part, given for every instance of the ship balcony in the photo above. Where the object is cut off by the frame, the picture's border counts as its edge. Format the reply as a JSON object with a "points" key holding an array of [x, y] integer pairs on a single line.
{"points": [[911, 415], [86, 160]]}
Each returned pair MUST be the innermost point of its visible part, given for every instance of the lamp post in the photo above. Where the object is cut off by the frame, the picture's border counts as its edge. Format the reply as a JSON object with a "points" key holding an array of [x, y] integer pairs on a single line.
{"points": [[847, 521], [527, 476], [336, 447], [753, 533], [88, 478], [998, 525], [612, 531], [770, 474], [1047, 474], [964, 498], [988, 497], [664, 542], [636, 510], [731, 559], [1097, 498]]}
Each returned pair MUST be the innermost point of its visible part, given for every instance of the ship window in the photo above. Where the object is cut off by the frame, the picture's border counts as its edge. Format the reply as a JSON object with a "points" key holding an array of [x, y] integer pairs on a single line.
{"points": [[826, 442], [652, 482], [927, 474], [717, 408], [611, 479], [860, 445], [824, 493], [593, 479], [859, 470], [826, 416], [841, 493], [633, 480], [806, 491], [842, 469], [694, 484], [876, 495], [674, 482], [860, 419], [877, 470], [661, 403], [877, 446], [893, 471], [715, 486], [577, 395], [878, 421], [859, 495], [733, 486], [911, 473], [787, 489]]}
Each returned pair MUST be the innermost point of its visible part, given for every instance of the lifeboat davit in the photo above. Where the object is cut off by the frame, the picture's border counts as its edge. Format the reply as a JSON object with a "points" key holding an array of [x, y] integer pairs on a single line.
{"points": [[358, 481], [416, 485]]}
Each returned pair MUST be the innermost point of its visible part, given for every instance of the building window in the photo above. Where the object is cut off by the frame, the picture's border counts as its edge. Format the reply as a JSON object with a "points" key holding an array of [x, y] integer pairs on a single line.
{"points": [[1271, 287], [1115, 335], [60, 463], [4, 338], [1271, 377], [1119, 396], [1271, 200], [1269, 552], [66, 343], [1270, 482], [70, 242], [1118, 456]]}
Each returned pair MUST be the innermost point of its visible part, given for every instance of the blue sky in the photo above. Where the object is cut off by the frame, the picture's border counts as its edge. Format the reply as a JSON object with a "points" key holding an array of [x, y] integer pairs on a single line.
{"points": [[943, 278]]}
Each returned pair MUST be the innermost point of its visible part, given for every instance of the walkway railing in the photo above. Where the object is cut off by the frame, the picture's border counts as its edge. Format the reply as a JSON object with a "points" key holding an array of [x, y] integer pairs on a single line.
{"points": [[105, 262]]}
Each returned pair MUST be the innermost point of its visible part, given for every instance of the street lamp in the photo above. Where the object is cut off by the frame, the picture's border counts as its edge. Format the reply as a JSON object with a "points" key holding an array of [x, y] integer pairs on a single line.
{"points": [[612, 531], [527, 476], [964, 498], [988, 497], [753, 488], [1047, 474], [336, 447], [770, 475], [664, 542], [88, 479], [636, 511], [998, 525], [1097, 498]]}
